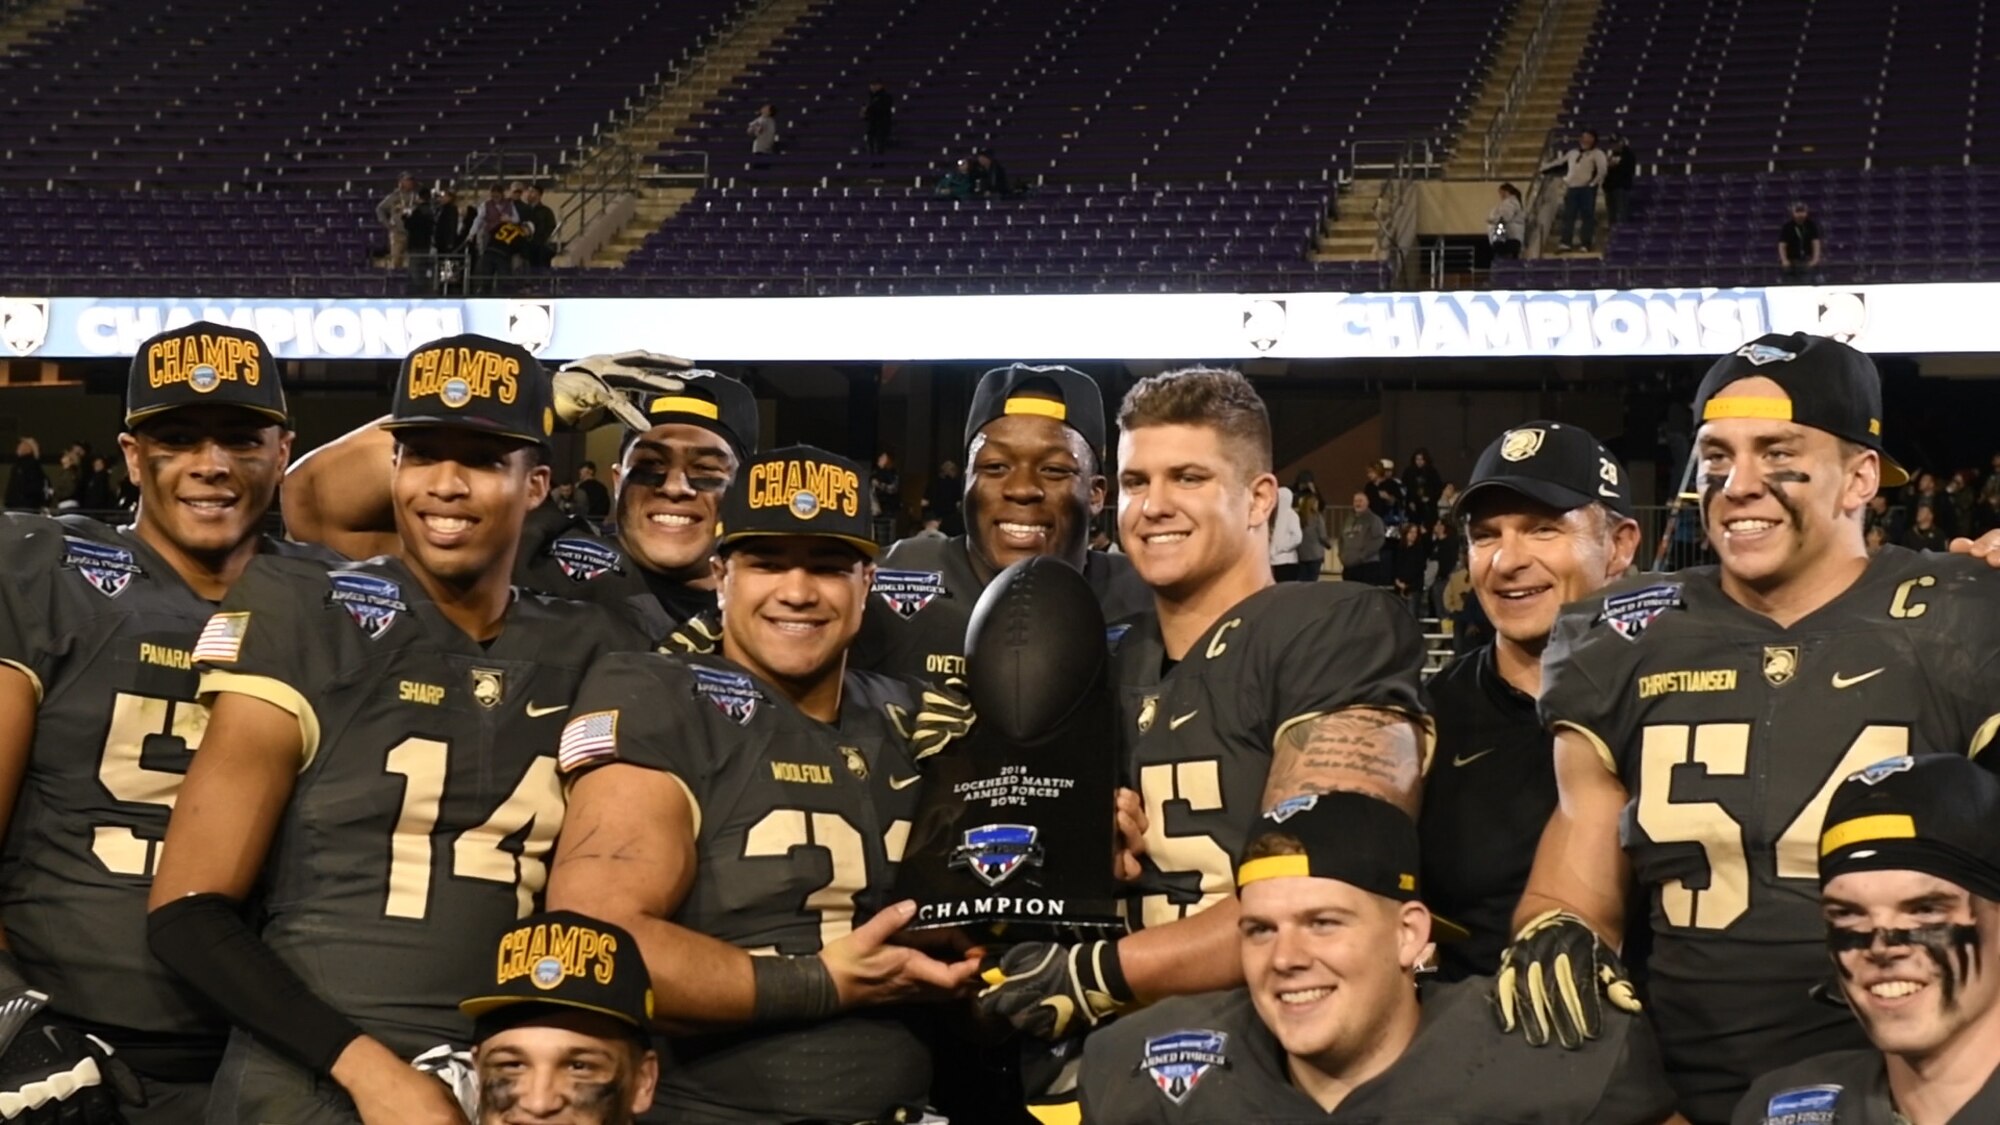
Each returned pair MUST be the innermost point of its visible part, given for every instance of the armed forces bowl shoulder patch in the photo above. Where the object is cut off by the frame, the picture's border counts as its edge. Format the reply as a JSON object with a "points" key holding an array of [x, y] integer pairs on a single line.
{"points": [[732, 693], [584, 559], [108, 569], [1631, 613], [909, 591], [372, 601], [1803, 1105], [1179, 1060]]}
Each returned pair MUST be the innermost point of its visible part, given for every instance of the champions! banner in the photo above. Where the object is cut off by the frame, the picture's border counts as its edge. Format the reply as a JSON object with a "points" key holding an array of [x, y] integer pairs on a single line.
{"points": [[1936, 318]]}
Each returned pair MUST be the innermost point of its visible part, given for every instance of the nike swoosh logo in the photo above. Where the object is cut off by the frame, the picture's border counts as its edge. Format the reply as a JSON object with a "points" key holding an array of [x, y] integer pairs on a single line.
{"points": [[904, 782], [1468, 759], [1176, 724], [1608, 492], [535, 712], [1840, 681]]}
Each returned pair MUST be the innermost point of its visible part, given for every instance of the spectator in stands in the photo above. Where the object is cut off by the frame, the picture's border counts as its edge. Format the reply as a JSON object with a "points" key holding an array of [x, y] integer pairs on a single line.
{"points": [[1618, 179], [1313, 538], [1285, 536], [497, 211], [1412, 559], [450, 224], [1799, 245], [1927, 496], [67, 477], [1385, 492], [94, 492], [1891, 519], [1876, 539], [763, 131], [878, 118], [1361, 544], [394, 213], [989, 176], [540, 219], [1445, 557], [1992, 485], [27, 485], [1960, 498], [1985, 515], [1421, 486], [594, 498], [943, 497], [1924, 533], [1504, 224], [957, 183], [885, 490], [1582, 169]]}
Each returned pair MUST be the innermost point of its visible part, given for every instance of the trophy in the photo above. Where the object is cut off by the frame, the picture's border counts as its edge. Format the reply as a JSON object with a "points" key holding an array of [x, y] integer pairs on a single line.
{"points": [[1015, 826]]}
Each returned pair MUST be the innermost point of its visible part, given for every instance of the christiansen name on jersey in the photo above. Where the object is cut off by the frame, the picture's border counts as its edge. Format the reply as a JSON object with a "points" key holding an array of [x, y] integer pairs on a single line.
{"points": [[1730, 734], [428, 800], [798, 826], [1198, 735]]}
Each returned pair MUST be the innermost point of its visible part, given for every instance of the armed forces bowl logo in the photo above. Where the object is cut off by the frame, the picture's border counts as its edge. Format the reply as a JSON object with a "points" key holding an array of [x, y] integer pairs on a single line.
{"points": [[584, 559], [732, 693], [993, 852], [531, 324], [1630, 614], [374, 603], [1761, 354], [1887, 767], [909, 591], [108, 569], [24, 323], [1179, 1060]]}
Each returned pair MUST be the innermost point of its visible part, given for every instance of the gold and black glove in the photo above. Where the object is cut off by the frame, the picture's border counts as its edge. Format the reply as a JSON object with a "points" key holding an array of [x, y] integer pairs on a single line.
{"points": [[1553, 981]]}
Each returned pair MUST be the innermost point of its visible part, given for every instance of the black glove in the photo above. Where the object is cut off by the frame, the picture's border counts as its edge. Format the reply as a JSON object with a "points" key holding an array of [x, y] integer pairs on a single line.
{"points": [[56, 1075], [1553, 980], [1051, 991]]}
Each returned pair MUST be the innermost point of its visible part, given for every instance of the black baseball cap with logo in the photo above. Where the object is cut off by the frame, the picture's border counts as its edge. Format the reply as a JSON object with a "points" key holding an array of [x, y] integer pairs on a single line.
{"points": [[1551, 463], [798, 490], [474, 382], [1936, 813], [716, 402], [1050, 391], [563, 959], [204, 364], [1832, 387], [1362, 841]]}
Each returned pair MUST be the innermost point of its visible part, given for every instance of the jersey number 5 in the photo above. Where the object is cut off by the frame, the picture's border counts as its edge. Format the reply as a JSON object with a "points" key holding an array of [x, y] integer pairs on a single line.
{"points": [[1723, 750], [1198, 785], [535, 805], [135, 720]]}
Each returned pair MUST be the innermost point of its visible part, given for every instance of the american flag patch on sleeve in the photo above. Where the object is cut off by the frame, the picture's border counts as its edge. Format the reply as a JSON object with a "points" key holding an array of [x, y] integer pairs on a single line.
{"points": [[587, 738], [221, 640]]}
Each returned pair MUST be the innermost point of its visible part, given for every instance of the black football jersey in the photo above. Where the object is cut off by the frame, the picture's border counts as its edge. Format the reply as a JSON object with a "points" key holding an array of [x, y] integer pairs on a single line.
{"points": [[1845, 1088], [429, 801], [1731, 733], [799, 826], [1489, 793], [573, 562], [1209, 1060], [105, 628], [1199, 735], [922, 601]]}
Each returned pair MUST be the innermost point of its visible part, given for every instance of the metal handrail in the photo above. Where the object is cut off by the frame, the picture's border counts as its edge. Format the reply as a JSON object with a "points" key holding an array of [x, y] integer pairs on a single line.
{"points": [[498, 164], [1525, 73]]}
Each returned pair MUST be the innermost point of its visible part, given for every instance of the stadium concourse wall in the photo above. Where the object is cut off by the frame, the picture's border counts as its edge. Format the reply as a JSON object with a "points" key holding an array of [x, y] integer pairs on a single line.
{"points": [[1905, 319]]}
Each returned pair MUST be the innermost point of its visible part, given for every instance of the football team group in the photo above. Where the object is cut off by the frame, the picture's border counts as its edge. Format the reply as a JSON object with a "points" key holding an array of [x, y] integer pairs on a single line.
{"points": [[441, 809]]}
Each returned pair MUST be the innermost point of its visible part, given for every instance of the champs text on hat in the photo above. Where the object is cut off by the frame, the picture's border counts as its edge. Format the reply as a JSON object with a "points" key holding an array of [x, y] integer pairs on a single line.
{"points": [[457, 375], [202, 361], [805, 486]]}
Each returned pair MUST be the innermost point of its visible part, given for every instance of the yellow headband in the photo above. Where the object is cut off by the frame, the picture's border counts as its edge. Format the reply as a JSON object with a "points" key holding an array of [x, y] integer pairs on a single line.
{"points": [[1883, 826], [1273, 867], [677, 404], [1744, 406], [1047, 408]]}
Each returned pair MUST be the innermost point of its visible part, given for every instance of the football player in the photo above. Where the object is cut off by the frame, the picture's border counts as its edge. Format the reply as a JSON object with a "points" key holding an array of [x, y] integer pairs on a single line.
{"points": [[1236, 694], [1547, 518], [98, 717], [560, 1032], [1034, 443], [687, 433], [1910, 886], [1332, 1022], [379, 767], [740, 813], [1703, 720]]}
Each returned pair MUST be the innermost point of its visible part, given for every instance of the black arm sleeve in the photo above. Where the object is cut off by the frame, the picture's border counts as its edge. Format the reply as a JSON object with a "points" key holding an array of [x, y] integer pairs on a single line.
{"points": [[205, 939]]}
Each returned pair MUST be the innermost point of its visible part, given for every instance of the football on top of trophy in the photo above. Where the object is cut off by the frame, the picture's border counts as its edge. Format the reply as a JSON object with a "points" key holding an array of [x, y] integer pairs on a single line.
{"points": [[1034, 648]]}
